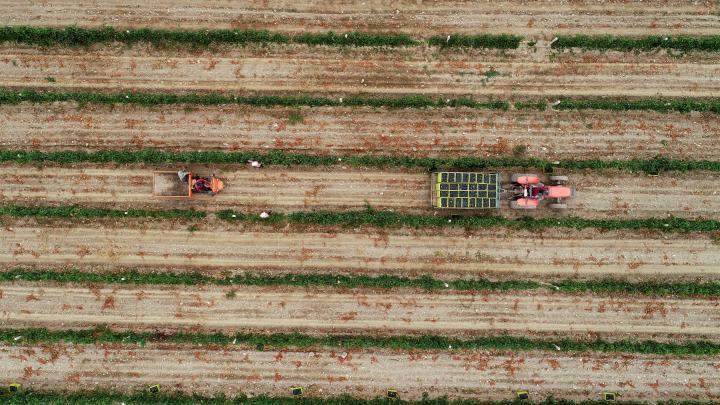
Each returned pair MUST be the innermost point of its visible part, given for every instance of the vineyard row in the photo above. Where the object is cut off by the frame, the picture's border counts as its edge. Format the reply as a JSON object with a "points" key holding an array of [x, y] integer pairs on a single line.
{"points": [[426, 282], [652, 166], [279, 341], [77, 36], [10, 96]]}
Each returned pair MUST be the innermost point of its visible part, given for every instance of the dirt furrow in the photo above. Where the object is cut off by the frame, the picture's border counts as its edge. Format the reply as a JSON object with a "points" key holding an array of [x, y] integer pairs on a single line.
{"points": [[480, 375], [281, 69], [400, 312], [444, 132], [443, 254], [600, 194], [416, 18]]}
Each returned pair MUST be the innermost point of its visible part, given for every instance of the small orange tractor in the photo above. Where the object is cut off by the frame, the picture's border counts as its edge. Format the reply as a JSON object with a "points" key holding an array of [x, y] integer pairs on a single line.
{"points": [[183, 184], [528, 191]]}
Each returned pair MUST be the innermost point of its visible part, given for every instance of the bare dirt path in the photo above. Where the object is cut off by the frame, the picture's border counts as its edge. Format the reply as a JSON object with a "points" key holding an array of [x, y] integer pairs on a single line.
{"points": [[293, 69], [417, 18], [600, 194], [433, 132], [451, 253], [481, 375], [364, 312]]}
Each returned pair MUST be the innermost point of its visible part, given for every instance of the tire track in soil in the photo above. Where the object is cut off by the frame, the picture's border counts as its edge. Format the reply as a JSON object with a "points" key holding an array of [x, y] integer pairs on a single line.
{"points": [[552, 135], [298, 69], [356, 311], [480, 375], [514, 254], [600, 194], [539, 18]]}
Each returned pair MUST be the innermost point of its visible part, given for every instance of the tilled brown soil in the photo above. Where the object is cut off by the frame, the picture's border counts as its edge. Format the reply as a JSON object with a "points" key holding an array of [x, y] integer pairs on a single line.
{"points": [[301, 69], [452, 253], [356, 311], [428, 132], [608, 194], [481, 375], [530, 72], [535, 18]]}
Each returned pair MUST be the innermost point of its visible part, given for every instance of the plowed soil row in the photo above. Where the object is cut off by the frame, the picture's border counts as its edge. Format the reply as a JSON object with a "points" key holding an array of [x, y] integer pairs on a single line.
{"points": [[217, 248], [300, 69], [599, 194], [416, 18], [434, 132], [480, 375], [364, 312]]}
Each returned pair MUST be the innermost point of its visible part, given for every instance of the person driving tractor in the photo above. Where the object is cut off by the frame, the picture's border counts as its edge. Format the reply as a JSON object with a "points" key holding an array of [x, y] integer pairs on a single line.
{"points": [[533, 191], [199, 184]]}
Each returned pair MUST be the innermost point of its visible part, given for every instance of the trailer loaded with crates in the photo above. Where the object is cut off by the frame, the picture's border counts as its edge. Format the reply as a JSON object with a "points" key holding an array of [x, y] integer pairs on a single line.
{"points": [[465, 190], [480, 191]]}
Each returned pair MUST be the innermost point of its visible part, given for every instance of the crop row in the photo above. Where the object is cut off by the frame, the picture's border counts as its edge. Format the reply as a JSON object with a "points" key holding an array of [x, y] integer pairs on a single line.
{"points": [[655, 165], [74, 211], [391, 219], [100, 397], [9, 96], [371, 217], [260, 341], [664, 106], [648, 43], [503, 41], [76, 36], [425, 282]]}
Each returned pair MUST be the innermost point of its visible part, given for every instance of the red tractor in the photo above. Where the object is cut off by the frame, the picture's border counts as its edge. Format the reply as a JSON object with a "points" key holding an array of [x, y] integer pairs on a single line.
{"points": [[528, 191]]}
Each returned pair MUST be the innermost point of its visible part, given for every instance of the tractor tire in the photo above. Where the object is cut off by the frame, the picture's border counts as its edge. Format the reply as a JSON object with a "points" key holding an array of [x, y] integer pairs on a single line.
{"points": [[558, 179], [514, 178], [558, 206]]}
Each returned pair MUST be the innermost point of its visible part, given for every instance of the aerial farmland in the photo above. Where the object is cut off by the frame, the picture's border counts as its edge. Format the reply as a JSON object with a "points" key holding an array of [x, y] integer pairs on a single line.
{"points": [[356, 202]]}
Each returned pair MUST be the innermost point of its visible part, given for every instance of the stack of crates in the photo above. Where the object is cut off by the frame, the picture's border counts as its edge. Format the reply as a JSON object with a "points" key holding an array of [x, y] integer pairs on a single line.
{"points": [[465, 190]]}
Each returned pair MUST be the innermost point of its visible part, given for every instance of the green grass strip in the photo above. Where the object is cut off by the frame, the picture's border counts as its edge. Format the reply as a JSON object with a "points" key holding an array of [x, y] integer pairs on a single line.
{"points": [[663, 106], [426, 282], [77, 36], [102, 334], [100, 397], [8, 96], [536, 105], [153, 156], [649, 43], [390, 219], [74, 211], [503, 41], [379, 219]]}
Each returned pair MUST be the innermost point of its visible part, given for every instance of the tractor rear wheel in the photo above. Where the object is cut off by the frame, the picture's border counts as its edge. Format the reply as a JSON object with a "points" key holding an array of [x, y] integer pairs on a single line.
{"points": [[558, 206], [558, 179]]}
